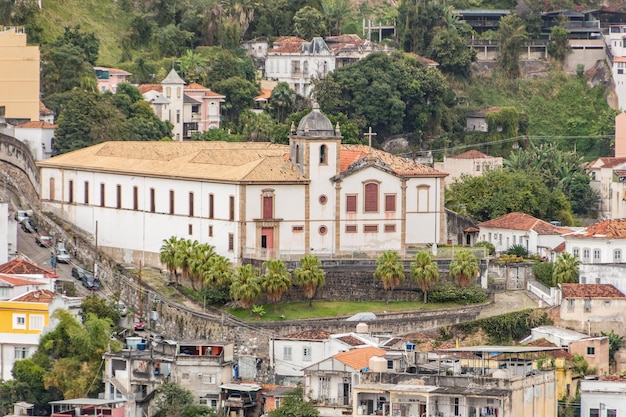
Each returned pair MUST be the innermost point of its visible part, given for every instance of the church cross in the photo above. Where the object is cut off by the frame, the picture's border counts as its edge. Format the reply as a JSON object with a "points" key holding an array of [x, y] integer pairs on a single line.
{"points": [[369, 134]]}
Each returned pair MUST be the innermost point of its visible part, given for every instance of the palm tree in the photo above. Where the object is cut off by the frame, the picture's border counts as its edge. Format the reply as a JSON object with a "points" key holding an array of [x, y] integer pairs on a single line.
{"points": [[167, 256], [309, 276], [464, 268], [390, 270], [184, 255], [200, 257], [219, 273], [565, 269], [424, 272], [246, 286], [276, 280]]}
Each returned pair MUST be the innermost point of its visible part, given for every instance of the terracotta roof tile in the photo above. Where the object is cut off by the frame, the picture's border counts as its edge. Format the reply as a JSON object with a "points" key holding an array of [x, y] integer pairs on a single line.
{"points": [[287, 44], [347, 38], [351, 340], [36, 296], [611, 229], [36, 125], [522, 221], [359, 358], [196, 86], [265, 95], [560, 248], [20, 266], [610, 162], [144, 88], [472, 154], [16, 282], [43, 108], [613, 378], [590, 291], [401, 166], [313, 334], [543, 342]]}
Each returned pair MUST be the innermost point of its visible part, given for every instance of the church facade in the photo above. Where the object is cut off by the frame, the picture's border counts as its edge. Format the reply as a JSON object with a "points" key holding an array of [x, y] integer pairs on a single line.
{"points": [[248, 200]]}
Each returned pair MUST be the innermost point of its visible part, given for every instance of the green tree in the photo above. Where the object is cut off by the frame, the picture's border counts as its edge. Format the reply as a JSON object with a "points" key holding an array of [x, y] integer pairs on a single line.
{"points": [[417, 24], [170, 40], [219, 272], [101, 308], [498, 192], [281, 101], [193, 67], [450, 50], [336, 13], [512, 35], [308, 23], [276, 280], [565, 269], [184, 256], [201, 257], [239, 94], [63, 67], [167, 256], [309, 276], [543, 271], [464, 268], [293, 405], [390, 270], [172, 400], [28, 385], [85, 41], [424, 271], [246, 286], [558, 48]]}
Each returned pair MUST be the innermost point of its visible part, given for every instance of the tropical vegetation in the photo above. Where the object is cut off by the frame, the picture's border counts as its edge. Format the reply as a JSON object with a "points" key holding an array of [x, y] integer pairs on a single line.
{"points": [[565, 269], [309, 276], [464, 268], [424, 271], [390, 271]]}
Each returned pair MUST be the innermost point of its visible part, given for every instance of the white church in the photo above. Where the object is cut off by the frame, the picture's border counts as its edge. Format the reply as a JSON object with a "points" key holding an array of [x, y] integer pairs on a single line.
{"points": [[247, 199]]}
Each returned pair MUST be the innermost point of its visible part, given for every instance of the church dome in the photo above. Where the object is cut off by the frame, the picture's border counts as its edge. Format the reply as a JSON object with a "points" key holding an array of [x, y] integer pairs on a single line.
{"points": [[315, 124]]}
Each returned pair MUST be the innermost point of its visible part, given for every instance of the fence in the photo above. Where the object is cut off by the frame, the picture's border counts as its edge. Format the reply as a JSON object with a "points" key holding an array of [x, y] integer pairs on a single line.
{"points": [[549, 295], [439, 253]]}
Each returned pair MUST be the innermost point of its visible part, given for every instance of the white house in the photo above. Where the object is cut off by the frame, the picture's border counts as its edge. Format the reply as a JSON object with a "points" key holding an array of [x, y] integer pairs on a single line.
{"points": [[249, 199], [617, 49], [192, 108], [602, 242], [473, 163], [603, 397], [11, 287], [536, 235], [38, 136], [297, 62]]}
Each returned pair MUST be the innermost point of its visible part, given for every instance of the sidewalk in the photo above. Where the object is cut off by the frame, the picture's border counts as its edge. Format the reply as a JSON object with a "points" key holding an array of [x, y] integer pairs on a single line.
{"points": [[509, 301]]}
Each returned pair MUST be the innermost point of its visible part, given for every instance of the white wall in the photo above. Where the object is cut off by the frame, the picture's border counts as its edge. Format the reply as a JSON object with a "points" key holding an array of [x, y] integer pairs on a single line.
{"points": [[602, 395], [503, 239], [598, 250]]}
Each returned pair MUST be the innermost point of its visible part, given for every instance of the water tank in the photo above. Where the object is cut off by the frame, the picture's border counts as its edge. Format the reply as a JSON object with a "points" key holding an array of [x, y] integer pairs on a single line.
{"points": [[378, 364], [362, 328], [133, 341]]}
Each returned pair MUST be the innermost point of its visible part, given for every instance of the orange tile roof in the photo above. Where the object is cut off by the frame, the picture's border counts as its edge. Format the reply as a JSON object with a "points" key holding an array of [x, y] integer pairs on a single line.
{"points": [[609, 162], [523, 221], [20, 266], [287, 44], [590, 291], [265, 95], [347, 38], [43, 108], [37, 125], [473, 154], [144, 88], [401, 166], [559, 248], [196, 86], [359, 358], [611, 229], [37, 296], [613, 378], [313, 334], [16, 282]]}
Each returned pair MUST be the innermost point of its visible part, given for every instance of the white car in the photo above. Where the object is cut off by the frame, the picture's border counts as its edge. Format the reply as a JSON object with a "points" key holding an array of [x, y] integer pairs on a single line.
{"points": [[63, 256], [21, 215]]}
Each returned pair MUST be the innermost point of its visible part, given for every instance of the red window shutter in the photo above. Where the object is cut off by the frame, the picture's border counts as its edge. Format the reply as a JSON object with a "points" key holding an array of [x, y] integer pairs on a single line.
{"points": [[267, 207], [371, 197], [351, 203], [390, 202]]}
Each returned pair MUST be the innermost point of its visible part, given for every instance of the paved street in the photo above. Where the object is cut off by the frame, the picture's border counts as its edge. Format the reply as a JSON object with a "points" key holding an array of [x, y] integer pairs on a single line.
{"points": [[507, 302]]}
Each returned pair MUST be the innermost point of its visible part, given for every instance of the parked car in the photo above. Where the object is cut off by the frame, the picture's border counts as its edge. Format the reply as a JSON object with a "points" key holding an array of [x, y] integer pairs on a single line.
{"points": [[91, 283], [138, 322], [21, 215], [43, 241], [81, 274], [28, 225], [121, 307], [63, 256]]}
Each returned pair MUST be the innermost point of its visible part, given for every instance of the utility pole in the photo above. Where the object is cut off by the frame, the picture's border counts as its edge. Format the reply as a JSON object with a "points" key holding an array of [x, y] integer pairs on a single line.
{"points": [[140, 293], [95, 256]]}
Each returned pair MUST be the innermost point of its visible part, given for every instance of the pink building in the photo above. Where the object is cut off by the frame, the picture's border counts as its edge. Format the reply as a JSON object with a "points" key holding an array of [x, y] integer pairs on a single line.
{"points": [[109, 78]]}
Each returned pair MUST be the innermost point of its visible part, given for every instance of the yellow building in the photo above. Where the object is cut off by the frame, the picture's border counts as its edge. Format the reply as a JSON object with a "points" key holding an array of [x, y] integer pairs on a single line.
{"points": [[19, 75], [22, 320]]}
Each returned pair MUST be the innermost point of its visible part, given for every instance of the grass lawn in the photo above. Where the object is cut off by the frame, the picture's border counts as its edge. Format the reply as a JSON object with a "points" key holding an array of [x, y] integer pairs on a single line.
{"points": [[296, 311]]}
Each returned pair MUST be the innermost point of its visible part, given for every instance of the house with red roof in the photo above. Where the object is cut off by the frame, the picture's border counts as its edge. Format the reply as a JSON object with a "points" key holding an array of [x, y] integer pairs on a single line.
{"points": [[20, 268], [472, 162], [38, 136], [601, 243], [593, 308], [11, 287], [190, 108], [109, 78], [537, 236]]}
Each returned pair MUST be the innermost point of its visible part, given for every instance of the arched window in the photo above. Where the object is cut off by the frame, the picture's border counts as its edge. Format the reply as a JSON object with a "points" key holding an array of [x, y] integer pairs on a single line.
{"points": [[370, 198], [297, 153], [323, 155]]}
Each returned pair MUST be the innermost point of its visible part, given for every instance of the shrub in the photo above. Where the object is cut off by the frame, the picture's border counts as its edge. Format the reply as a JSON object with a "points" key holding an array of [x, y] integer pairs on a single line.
{"points": [[543, 273], [447, 292], [510, 259], [519, 250], [491, 249]]}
